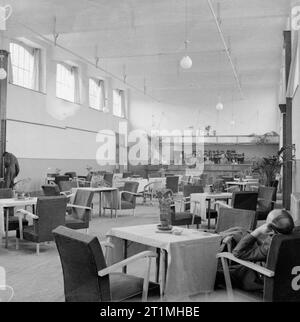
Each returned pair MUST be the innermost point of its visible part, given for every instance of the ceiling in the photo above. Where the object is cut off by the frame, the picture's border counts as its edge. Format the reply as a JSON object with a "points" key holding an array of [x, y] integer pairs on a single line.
{"points": [[145, 40]]}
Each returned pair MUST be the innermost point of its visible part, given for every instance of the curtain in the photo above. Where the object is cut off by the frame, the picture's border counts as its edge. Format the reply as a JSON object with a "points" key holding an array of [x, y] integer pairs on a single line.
{"points": [[102, 102], [75, 72], [37, 69], [123, 103]]}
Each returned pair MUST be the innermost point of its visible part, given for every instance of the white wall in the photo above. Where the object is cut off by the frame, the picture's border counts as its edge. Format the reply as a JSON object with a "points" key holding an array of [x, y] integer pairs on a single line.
{"points": [[257, 113], [41, 127]]}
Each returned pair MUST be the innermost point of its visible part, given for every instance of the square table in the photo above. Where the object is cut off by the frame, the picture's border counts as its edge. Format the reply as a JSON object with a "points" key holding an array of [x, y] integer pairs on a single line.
{"points": [[5, 204], [186, 264], [99, 190], [200, 199]]}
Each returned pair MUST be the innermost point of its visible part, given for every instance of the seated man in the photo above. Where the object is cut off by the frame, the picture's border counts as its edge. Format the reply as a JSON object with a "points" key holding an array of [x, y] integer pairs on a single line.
{"points": [[254, 247]]}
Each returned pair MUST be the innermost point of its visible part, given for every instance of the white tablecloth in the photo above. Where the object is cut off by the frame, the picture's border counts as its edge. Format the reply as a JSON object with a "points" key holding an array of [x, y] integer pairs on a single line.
{"points": [[192, 262]]}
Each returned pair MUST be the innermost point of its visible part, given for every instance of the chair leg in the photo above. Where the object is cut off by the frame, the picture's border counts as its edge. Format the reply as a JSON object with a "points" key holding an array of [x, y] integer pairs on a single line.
{"points": [[227, 279], [133, 212], [38, 249], [17, 243]]}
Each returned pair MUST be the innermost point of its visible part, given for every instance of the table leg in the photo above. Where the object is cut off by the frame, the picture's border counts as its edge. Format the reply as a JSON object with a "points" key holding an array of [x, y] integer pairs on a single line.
{"points": [[100, 204], [208, 214], [125, 255], [163, 271], [6, 226], [157, 265]]}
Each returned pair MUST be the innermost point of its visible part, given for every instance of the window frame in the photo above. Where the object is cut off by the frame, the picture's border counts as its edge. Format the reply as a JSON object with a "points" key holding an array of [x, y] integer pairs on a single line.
{"points": [[65, 84], [122, 108], [28, 59], [97, 106]]}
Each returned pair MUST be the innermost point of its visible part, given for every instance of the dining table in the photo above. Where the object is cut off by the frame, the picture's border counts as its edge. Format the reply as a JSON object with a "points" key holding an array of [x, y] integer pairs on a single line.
{"points": [[5, 205], [186, 264], [202, 201]]}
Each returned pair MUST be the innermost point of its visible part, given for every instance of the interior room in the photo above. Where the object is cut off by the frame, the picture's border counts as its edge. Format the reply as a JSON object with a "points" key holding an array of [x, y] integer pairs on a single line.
{"points": [[150, 151]]}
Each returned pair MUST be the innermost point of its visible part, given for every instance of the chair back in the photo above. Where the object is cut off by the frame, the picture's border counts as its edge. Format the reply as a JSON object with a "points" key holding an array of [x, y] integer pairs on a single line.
{"points": [[246, 200], [61, 178], [127, 174], [81, 258], [172, 183], [189, 189], [130, 186], [51, 212], [6, 193], [108, 178], [67, 185], [284, 260], [71, 174], [51, 190], [154, 175], [82, 198], [266, 198], [230, 217]]}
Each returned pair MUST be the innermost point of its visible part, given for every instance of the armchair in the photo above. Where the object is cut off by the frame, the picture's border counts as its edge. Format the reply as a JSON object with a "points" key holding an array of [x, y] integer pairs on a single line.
{"points": [[86, 276], [80, 214], [126, 198], [61, 178], [281, 273], [50, 190], [266, 201], [50, 213], [246, 200], [172, 183]]}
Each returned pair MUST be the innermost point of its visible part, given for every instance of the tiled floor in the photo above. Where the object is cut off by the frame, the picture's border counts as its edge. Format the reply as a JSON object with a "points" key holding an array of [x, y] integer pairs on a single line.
{"points": [[39, 278]]}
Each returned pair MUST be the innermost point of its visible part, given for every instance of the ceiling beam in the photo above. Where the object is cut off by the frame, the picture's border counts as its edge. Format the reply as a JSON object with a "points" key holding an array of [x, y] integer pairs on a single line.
{"points": [[234, 70]]}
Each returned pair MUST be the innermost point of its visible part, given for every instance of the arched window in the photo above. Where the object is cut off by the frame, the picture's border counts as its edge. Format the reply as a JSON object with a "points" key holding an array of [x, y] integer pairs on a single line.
{"points": [[22, 63]]}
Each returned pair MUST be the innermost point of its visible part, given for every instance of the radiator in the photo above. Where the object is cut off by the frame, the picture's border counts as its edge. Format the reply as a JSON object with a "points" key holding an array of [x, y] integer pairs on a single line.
{"points": [[295, 207]]}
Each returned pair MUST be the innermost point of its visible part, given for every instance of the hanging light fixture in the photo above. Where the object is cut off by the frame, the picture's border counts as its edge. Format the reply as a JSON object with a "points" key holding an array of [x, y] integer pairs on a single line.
{"points": [[220, 106], [186, 61]]}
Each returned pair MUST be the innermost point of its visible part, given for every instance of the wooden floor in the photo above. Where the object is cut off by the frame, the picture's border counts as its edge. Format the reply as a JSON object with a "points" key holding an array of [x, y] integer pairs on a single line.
{"points": [[39, 278]]}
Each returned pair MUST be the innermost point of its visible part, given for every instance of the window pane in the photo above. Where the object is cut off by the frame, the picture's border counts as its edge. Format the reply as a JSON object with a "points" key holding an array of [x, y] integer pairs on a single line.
{"points": [[22, 65], [95, 94], [117, 103], [65, 82]]}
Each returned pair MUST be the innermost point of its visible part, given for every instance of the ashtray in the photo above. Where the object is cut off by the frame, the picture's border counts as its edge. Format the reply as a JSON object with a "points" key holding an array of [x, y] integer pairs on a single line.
{"points": [[164, 228], [177, 231]]}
